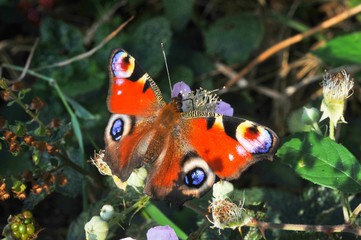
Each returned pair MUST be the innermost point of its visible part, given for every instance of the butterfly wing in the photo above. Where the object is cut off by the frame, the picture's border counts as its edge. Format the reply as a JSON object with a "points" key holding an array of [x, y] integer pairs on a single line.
{"points": [[202, 148], [230, 145], [131, 89], [135, 99]]}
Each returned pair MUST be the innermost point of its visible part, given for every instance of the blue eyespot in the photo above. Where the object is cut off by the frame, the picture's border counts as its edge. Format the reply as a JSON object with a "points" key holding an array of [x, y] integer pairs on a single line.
{"points": [[195, 177], [117, 129]]}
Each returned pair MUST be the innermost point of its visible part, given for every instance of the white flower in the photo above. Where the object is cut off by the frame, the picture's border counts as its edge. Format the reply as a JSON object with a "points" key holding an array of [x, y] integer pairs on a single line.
{"points": [[96, 229], [221, 189], [336, 89], [227, 214]]}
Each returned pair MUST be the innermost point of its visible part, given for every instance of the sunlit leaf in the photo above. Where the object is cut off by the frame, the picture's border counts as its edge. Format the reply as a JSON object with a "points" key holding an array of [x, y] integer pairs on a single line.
{"points": [[322, 161], [341, 50]]}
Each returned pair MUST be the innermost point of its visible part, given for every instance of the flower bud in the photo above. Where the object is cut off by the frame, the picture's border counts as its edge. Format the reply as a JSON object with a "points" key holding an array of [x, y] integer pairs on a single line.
{"points": [[107, 212], [96, 229]]}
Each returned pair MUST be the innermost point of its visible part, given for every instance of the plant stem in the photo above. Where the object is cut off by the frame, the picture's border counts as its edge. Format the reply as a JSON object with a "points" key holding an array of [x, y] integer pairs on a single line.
{"points": [[354, 229], [22, 105], [344, 201], [332, 130]]}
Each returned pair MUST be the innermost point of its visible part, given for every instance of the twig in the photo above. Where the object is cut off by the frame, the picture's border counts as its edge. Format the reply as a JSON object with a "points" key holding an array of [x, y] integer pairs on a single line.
{"points": [[28, 61], [106, 17], [243, 83], [90, 52], [309, 228], [292, 40], [356, 211]]}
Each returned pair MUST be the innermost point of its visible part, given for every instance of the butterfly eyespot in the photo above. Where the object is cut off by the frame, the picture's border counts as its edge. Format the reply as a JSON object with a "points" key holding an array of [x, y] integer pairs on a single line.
{"points": [[198, 176], [118, 126], [195, 177], [122, 64], [117, 129]]}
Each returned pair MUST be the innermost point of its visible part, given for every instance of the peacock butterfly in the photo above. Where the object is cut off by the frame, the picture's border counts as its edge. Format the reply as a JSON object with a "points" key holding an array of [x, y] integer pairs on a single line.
{"points": [[185, 147]]}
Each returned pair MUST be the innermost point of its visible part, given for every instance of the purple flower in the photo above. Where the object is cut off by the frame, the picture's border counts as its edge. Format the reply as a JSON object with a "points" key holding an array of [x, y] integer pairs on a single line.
{"points": [[161, 233], [224, 108], [180, 87], [200, 100]]}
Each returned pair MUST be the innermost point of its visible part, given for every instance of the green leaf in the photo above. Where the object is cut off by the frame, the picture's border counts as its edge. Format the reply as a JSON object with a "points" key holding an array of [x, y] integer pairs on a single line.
{"points": [[80, 111], [322, 161], [233, 38], [145, 44], [60, 37], [341, 50], [178, 12]]}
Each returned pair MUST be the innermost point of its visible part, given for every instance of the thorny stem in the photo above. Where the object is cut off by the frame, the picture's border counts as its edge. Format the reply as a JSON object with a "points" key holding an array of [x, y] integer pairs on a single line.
{"points": [[354, 229], [22, 105]]}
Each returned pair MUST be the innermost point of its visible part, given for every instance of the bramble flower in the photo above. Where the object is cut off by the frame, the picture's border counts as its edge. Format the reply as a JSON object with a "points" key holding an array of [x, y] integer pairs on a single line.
{"points": [[227, 214], [336, 89], [161, 233], [200, 100]]}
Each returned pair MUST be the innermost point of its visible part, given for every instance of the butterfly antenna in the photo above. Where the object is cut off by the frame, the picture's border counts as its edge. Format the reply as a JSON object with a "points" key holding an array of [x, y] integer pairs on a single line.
{"points": [[166, 66]]}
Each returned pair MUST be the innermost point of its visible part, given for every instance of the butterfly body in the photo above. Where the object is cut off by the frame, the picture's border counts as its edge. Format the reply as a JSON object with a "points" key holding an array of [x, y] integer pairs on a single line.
{"points": [[184, 152]]}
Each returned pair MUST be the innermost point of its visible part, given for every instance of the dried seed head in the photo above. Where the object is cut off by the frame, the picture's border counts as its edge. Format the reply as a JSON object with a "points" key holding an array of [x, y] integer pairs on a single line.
{"points": [[227, 214]]}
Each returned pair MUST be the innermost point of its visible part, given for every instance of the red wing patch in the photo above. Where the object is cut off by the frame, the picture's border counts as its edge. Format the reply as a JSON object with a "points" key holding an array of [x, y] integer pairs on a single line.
{"points": [[229, 145], [131, 90]]}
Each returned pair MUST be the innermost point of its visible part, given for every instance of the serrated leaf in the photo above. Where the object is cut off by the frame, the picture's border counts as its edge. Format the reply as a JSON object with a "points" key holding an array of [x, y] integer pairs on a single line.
{"points": [[341, 50], [233, 38], [145, 44], [178, 12], [322, 161]]}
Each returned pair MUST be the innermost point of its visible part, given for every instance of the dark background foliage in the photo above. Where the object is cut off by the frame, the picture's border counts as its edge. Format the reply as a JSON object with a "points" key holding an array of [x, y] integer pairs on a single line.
{"points": [[206, 43]]}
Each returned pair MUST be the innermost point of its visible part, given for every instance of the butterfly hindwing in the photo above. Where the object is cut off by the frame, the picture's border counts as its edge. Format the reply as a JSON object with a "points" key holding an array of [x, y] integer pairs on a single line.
{"points": [[131, 89]]}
